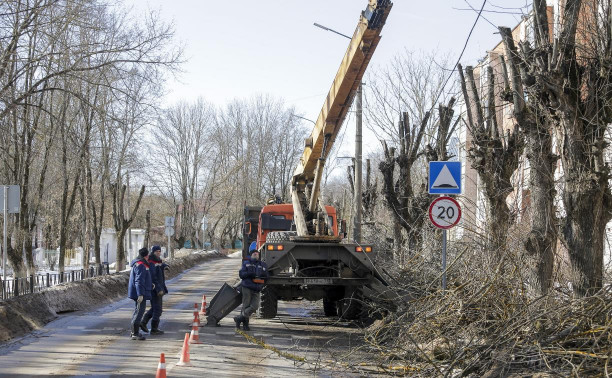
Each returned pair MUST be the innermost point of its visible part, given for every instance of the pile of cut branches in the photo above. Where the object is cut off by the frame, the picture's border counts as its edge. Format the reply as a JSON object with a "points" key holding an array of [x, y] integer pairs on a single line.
{"points": [[488, 323]]}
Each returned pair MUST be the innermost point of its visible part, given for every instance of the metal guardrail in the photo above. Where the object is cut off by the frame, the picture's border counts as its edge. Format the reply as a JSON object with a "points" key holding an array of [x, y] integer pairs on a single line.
{"points": [[15, 287]]}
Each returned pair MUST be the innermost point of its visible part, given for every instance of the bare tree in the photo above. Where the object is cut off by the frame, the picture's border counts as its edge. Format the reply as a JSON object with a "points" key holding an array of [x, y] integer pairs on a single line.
{"points": [[493, 155], [52, 55], [567, 81], [408, 203], [183, 155], [399, 108], [122, 219]]}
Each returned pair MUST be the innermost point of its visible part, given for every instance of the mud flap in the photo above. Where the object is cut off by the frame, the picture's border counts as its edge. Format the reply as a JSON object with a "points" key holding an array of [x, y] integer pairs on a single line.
{"points": [[224, 302]]}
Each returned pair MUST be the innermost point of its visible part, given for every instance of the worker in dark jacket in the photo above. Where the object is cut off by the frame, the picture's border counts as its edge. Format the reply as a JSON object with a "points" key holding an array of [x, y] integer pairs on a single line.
{"points": [[139, 290], [253, 274], [159, 290]]}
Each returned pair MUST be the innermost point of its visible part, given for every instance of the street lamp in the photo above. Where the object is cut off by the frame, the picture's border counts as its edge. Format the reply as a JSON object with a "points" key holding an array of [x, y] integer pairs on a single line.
{"points": [[304, 118], [331, 30], [358, 157]]}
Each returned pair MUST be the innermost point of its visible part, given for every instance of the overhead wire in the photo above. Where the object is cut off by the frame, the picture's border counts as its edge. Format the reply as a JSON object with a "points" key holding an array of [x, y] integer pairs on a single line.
{"points": [[467, 40]]}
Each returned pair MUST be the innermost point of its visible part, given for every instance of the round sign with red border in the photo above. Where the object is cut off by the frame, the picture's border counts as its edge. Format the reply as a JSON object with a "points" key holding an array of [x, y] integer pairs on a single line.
{"points": [[445, 212]]}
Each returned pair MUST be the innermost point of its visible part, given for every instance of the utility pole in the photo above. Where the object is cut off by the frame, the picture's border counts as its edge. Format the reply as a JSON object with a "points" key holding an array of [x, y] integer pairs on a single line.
{"points": [[358, 170]]}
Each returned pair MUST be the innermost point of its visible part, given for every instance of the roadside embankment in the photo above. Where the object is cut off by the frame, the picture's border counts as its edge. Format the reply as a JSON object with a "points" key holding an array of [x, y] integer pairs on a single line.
{"points": [[26, 313]]}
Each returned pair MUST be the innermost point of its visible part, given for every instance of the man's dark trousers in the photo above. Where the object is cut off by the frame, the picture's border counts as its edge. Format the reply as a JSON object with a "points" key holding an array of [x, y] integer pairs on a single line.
{"points": [[139, 311], [250, 301], [155, 311]]}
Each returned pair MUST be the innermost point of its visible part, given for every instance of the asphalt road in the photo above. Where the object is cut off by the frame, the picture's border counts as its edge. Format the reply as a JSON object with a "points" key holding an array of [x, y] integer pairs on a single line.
{"points": [[97, 343]]}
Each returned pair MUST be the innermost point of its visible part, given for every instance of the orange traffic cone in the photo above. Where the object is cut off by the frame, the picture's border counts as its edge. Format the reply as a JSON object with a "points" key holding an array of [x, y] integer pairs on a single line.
{"points": [[161, 368], [195, 334], [203, 309], [185, 353], [196, 315]]}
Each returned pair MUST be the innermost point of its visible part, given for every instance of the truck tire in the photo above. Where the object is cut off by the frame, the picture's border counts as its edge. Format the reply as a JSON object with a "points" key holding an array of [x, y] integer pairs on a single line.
{"points": [[329, 307], [350, 308], [268, 305], [279, 236]]}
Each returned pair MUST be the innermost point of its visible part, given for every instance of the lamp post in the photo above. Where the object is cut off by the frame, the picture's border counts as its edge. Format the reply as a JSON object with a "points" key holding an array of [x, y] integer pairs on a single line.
{"points": [[304, 118], [358, 157]]}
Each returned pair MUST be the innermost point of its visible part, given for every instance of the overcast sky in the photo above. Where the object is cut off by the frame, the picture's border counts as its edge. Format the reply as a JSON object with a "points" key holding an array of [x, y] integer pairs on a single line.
{"points": [[239, 48]]}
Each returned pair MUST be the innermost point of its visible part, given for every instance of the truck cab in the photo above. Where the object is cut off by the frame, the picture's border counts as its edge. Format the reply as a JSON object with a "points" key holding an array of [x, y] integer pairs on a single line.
{"points": [[279, 217], [325, 267]]}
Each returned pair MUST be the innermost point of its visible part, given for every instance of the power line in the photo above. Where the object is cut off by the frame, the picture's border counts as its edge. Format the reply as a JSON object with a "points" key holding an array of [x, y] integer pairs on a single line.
{"points": [[486, 19], [460, 56]]}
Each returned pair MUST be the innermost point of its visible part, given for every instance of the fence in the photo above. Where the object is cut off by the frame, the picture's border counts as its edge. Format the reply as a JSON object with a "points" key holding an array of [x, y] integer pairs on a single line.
{"points": [[14, 287]]}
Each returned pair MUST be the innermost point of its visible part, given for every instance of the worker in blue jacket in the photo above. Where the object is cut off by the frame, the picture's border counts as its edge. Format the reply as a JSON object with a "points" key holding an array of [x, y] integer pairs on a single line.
{"points": [[139, 290], [253, 273], [159, 290]]}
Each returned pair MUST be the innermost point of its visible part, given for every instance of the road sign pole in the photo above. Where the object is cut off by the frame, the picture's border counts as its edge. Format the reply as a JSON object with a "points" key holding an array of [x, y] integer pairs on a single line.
{"points": [[4, 244], [443, 259], [169, 251], [444, 213]]}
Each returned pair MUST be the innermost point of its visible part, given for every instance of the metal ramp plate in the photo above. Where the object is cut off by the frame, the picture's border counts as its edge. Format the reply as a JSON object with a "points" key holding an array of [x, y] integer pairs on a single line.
{"points": [[224, 302]]}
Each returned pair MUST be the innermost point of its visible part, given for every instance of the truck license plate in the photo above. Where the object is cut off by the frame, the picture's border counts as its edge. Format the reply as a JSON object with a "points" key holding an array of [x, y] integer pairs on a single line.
{"points": [[318, 281]]}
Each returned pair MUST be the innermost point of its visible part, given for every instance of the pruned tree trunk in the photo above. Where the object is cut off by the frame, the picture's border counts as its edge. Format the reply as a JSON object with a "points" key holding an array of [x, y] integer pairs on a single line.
{"points": [[541, 240], [121, 257], [408, 204], [567, 81], [494, 156], [370, 194]]}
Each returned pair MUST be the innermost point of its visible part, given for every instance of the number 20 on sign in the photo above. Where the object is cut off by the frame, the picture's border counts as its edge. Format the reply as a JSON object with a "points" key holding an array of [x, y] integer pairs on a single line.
{"points": [[444, 212]]}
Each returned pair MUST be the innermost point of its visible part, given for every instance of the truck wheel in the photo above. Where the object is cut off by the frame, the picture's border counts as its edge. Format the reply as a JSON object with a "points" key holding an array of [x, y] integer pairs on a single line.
{"points": [[279, 236], [268, 305], [350, 308], [329, 307]]}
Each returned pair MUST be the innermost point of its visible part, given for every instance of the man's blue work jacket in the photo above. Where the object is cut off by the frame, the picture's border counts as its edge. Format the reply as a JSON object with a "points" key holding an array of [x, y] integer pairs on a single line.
{"points": [[157, 275], [253, 269], [140, 280]]}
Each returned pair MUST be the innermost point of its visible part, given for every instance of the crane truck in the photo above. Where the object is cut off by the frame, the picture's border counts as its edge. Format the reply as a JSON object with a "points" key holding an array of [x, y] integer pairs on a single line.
{"points": [[302, 242]]}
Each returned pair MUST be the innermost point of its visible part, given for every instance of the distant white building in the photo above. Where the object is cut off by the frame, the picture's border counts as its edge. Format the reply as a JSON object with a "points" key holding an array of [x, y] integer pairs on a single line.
{"points": [[108, 244]]}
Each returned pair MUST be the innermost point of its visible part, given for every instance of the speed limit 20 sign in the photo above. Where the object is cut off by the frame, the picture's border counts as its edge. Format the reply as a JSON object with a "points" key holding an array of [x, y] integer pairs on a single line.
{"points": [[445, 212]]}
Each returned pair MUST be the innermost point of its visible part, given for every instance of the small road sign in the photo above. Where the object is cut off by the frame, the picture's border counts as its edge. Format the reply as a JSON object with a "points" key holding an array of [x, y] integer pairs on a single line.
{"points": [[445, 212], [169, 222], [444, 177], [169, 231], [13, 199], [204, 223]]}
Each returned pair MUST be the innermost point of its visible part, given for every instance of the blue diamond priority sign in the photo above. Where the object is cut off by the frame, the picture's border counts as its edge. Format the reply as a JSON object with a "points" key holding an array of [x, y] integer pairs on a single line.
{"points": [[444, 177]]}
